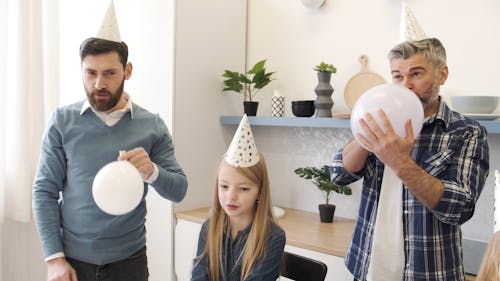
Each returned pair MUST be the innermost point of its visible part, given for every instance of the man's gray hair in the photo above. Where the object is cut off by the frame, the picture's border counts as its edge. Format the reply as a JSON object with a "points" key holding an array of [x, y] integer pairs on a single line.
{"points": [[431, 48]]}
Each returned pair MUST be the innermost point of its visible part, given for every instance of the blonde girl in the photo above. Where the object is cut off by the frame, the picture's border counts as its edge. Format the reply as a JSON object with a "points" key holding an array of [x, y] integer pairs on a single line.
{"points": [[240, 240]]}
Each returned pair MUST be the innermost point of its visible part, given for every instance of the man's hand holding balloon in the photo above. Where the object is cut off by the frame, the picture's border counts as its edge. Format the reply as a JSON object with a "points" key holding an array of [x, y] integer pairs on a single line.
{"points": [[140, 159], [392, 149]]}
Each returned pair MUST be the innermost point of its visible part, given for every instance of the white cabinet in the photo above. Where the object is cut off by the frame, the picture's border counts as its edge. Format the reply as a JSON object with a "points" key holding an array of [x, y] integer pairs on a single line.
{"points": [[186, 242]]}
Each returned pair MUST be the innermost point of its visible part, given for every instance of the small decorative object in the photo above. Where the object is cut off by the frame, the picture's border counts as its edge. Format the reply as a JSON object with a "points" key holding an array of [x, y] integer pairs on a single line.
{"points": [[277, 105], [399, 104], [248, 84], [303, 108], [324, 89], [474, 104], [362, 81], [278, 212], [321, 178]]}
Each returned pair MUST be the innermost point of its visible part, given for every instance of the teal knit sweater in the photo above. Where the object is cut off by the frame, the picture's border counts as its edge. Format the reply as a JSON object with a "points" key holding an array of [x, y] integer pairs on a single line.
{"points": [[74, 147]]}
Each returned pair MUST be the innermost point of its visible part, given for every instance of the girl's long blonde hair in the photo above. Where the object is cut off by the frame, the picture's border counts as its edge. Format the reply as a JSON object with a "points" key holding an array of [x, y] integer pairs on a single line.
{"points": [[257, 238], [490, 266]]}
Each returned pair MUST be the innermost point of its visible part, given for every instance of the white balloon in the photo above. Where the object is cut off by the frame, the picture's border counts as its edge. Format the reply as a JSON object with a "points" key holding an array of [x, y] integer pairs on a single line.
{"points": [[399, 104], [118, 188]]}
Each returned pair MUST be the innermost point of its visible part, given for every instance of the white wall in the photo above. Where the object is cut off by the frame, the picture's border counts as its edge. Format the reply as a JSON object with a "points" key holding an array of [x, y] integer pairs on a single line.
{"points": [[147, 28], [210, 36], [343, 29], [294, 38]]}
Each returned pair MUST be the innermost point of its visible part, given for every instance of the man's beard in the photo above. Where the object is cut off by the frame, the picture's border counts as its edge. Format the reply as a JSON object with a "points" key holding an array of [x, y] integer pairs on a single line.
{"points": [[431, 94], [105, 105]]}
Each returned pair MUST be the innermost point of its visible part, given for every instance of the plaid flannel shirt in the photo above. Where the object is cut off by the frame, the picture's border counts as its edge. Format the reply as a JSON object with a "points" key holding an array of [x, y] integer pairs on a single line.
{"points": [[451, 148]]}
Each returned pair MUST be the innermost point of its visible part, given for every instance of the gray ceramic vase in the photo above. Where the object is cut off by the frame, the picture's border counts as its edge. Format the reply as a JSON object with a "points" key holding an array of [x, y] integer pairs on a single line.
{"points": [[324, 91]]}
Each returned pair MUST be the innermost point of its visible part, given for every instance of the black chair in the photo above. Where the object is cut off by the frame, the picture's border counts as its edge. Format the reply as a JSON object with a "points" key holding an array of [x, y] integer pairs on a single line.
{"points": [[300, 268]]}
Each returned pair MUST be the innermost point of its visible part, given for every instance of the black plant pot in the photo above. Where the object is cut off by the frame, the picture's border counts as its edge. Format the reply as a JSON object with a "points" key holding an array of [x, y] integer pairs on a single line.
{"points": [[250, 107], [326, 212]]}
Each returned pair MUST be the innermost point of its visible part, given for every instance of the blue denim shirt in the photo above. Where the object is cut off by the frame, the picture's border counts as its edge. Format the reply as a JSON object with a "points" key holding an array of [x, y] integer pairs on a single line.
{"points": [[266, 269], [451, 148]]}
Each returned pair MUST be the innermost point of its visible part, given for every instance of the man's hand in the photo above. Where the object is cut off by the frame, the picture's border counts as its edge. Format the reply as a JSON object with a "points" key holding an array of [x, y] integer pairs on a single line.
{"points": [[59, 269], [393, 150], [140, 159]]}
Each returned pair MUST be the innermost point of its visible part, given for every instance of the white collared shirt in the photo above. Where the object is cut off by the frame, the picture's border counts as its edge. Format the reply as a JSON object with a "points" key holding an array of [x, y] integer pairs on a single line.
{"points": [[112, 118]]}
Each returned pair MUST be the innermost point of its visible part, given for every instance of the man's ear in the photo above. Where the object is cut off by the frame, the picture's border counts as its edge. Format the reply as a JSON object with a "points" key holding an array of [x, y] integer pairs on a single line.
{"points": [[128, 70], [443, 74]]}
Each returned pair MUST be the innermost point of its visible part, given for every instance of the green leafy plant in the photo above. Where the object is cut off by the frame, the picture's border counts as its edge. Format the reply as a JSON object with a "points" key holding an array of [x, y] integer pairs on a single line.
{"points": [[321, 178], [325, 67], [247, 83]]}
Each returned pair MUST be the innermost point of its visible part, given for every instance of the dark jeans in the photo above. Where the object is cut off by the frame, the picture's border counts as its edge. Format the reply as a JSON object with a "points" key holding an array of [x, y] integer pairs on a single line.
{"points": [[133, 268]]}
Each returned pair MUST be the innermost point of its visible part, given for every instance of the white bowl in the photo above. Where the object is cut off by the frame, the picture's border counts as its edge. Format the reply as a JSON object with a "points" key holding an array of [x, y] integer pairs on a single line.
{"points": [[474, 104]]}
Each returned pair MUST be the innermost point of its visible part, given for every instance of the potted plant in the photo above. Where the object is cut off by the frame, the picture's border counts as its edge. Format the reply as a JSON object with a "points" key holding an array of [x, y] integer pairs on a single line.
{"points": [[321, 178], [248, 84], [325, 67], [324, 89]]}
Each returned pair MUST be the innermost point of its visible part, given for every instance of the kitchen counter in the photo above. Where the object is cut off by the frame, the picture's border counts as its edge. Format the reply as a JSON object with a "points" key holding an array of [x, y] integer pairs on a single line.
{"points": [[303, 230]]}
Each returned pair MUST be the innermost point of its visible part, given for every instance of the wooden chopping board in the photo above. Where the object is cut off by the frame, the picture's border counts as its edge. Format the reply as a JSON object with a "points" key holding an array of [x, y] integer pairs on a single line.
{"points": [[361, 82]]}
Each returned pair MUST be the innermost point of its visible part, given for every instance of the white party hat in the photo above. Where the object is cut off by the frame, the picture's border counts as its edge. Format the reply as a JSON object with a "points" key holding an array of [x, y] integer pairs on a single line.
{"points": [[242, 151], [109, 26], [409, 29]]}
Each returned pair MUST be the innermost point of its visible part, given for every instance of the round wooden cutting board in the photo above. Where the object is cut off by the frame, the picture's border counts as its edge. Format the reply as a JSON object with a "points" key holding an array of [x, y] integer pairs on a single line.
{"points": [[361, 82]]}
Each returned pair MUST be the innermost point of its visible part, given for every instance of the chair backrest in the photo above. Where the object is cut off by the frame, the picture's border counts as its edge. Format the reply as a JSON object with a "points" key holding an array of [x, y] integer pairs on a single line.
{"points": [[300, 268]]}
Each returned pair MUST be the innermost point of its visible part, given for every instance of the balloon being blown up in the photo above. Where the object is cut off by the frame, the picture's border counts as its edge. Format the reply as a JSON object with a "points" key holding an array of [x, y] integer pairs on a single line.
{"points": [[399, 104]]}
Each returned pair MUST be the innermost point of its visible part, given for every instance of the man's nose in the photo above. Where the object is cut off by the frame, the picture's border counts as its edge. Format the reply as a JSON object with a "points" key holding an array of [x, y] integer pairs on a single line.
{"points": [[100, 83], [407, 83]]}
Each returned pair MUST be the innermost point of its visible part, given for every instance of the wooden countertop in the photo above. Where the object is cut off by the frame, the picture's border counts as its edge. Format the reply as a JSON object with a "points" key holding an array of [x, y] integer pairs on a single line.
{"points": [[303, 230]]}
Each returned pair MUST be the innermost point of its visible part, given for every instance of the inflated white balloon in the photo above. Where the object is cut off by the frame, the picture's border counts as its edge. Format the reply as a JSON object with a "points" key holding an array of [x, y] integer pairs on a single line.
{"points": [[399, 104], [118, 188]]}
